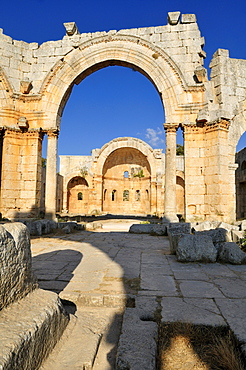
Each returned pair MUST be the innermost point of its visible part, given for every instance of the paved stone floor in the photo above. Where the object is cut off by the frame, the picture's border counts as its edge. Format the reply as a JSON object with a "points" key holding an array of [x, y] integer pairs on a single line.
{"points": [[99, 270]]}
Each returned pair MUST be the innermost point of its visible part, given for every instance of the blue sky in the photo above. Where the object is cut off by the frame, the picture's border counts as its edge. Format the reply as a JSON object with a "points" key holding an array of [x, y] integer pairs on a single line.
{"points": [[117, 101]]}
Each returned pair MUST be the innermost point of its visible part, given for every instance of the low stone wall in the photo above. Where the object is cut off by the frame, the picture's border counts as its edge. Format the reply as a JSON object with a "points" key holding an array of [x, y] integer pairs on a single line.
{"points": [[31, 320], [16, 277]]}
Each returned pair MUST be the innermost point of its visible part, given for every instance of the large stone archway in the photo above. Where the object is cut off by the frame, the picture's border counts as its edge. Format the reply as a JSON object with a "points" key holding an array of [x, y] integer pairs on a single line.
{"points": [[36, 84]]}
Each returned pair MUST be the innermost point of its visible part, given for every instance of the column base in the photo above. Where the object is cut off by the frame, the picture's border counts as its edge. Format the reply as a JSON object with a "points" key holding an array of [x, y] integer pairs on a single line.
{"points": [[170, 218]]}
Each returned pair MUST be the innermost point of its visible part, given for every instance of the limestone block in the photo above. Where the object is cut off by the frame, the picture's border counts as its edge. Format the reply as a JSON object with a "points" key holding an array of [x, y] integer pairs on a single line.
{"points": [[179, 227], [196, 248], [173, 17], [137, 344], [153, 229], [206, 225], [237, 236], [231, 253], [16, 277], [218, 235], [188, 18], [29, 330]]}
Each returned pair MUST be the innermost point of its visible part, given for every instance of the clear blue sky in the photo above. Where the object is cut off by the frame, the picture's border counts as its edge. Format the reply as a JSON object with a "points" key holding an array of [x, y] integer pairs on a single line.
{"points": [[117, 101]]}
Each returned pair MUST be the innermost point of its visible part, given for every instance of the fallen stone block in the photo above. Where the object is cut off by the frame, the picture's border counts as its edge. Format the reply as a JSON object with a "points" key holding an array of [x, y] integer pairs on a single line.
{"points": [[16, 277], [218, 236], [138, 343], [231, 253], [153, 229], [29, 330], [206, 225], [175, 231], [179, 228], [196, 248]]}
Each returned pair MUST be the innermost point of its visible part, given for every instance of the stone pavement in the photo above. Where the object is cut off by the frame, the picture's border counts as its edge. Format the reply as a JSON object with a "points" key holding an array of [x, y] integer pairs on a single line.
{"points": [[105, 271]]}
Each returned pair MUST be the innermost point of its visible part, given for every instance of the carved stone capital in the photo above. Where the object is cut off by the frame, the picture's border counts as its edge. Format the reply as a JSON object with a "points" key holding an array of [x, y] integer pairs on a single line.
{"points": [[52, 132], [171, 127]]}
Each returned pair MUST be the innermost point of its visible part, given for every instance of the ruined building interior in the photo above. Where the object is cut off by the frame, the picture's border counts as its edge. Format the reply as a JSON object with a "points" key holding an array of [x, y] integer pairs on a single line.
{"points": [[36, 85]]}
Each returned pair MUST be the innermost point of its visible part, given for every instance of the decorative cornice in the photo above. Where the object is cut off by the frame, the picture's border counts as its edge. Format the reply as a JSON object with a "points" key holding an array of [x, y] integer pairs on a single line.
{"points": [[217, 125]]}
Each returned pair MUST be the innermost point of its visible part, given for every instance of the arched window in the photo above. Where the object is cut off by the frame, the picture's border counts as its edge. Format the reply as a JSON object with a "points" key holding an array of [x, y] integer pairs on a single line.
{"points": [[104, 194], [80, 196], [126, 195], [137, 195], [113, 195], [126, 174], [147, 194]]}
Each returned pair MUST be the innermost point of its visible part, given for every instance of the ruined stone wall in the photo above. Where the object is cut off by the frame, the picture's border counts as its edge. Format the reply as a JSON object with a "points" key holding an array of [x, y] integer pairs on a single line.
{"points": [[36, 81], [22, 62]]}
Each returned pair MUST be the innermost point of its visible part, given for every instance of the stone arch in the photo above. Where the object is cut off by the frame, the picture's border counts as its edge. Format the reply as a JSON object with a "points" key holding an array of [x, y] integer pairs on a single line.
{"points": [[126, 142], [137, 158], [125, 50], [77, 195]]}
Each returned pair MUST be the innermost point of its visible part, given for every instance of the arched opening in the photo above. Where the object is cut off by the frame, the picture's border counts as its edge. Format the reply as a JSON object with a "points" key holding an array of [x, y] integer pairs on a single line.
{"points": [[161, 71], [77, 195], [123, 99], [129, 200]]}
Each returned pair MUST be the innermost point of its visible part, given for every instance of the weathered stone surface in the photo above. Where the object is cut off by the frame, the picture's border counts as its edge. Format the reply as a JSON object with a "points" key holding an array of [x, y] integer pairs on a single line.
{"points": [[179, 227], [16, 277], [231, 253], [40, 227], [198, 311], [175, 230], [217, 235], [233, 311], [237, 236], [146, 307], [137, 345], [188, 18], [173, 17], [196, 247], [148, 229], [29, 329], [206, 225]]}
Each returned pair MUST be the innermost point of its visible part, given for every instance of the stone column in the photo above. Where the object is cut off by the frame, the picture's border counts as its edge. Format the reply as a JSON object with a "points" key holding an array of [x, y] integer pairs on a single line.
{"points": [[170, 213], [51, 170]]}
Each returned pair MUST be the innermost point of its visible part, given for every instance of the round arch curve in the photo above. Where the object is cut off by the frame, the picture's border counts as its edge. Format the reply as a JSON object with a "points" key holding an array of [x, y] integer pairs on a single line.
{"points": [[124, 50]]}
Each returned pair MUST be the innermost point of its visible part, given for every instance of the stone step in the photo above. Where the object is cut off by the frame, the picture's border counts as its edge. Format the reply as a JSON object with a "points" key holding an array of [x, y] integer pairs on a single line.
{"points": [[79, 344], [29, 330]]}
